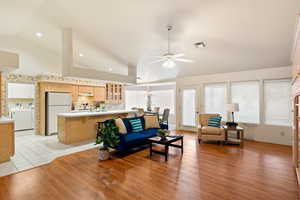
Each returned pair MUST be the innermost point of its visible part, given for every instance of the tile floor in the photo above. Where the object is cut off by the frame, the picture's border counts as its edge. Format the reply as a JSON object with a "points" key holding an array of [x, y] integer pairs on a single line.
{"points": [[33, 150]]}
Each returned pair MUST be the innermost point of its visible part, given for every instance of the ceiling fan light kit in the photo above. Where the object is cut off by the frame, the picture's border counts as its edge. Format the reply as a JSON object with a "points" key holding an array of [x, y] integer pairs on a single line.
{"points": [[169, 64], [169, 59]]}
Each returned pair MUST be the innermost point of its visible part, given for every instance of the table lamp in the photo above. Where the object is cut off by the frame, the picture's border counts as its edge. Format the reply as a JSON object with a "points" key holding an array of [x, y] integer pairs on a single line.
{"points": [[232, 107]]}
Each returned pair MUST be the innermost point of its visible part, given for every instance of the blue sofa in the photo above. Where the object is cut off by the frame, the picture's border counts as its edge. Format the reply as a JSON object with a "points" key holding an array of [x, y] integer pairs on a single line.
{"points": [[135, 139]]}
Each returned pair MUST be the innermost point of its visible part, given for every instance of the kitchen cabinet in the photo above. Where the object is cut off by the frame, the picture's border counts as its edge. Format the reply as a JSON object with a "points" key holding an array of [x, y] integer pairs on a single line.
{"points": [[7, 141], [114, 93], [86, 89], [20, 91], [296, 102], [99, 93]]}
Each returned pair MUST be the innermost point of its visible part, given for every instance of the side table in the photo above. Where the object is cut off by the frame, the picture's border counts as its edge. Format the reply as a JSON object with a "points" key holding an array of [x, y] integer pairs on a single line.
{"points": [[239, 135]]}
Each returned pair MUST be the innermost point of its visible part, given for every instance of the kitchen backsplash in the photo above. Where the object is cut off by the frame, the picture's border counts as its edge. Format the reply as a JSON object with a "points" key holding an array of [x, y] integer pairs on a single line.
{"points": [[20, 104]]}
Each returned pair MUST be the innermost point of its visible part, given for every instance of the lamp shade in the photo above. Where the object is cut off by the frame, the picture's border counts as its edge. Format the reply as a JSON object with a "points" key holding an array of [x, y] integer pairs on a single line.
{"points": [[233, 107]]}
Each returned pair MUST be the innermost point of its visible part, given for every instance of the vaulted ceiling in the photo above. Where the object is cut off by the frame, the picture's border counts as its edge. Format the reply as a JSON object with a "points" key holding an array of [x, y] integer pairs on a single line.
{"points": [[241, 35]]}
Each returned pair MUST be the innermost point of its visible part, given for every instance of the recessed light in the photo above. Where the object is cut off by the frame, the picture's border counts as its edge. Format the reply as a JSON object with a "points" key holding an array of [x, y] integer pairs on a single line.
{"points": [[39, 34], [81, 55]]}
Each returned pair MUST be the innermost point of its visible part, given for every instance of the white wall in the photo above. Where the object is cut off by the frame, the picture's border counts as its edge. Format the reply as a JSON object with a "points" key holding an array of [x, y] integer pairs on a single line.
{"points": [[8, 61], [258, 132], [33, 59]]}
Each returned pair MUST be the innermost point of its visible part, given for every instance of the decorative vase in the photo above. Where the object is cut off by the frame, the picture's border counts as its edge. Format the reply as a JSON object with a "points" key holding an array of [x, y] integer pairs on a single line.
{"points": [[104, 154], [163, 137]]}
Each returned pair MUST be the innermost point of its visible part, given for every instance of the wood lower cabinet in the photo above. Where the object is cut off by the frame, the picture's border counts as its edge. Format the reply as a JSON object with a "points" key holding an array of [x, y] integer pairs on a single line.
{"points": [[7, 141], [78, 129]]}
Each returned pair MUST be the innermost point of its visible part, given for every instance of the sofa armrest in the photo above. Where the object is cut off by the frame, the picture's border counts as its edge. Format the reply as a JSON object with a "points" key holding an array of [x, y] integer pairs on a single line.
{"points": [[122, 143]]}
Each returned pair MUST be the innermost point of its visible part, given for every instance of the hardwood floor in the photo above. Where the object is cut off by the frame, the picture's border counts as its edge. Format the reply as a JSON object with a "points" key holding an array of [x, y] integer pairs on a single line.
{"points": [[205, 171]]}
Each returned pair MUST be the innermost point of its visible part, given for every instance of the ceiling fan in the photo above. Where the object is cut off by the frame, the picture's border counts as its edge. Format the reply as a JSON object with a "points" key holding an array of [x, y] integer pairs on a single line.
{"points": [[169, 58]]}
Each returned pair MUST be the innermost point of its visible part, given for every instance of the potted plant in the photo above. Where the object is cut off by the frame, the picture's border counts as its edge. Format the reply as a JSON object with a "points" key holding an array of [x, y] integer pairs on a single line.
{"points": [[107, 138], [163, 133]]}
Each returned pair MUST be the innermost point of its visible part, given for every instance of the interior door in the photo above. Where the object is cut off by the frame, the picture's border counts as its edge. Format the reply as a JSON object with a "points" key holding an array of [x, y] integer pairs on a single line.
{"points": [[189, 108]]}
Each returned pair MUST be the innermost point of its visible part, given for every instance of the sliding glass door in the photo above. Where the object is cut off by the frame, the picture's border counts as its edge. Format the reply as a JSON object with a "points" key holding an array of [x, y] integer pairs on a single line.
{"points": [[188, 107]]}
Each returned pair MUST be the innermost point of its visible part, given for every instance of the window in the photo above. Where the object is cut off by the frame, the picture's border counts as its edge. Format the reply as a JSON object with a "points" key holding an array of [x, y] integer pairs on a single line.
{"points": [[188, 107], [246, 94], [277, 102], [163, 99], [215, 99], [135, 99]]}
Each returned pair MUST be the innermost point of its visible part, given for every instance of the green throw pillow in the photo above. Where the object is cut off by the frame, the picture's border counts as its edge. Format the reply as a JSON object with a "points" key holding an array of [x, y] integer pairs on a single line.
{"points": [[214, 121], [136, 125]]}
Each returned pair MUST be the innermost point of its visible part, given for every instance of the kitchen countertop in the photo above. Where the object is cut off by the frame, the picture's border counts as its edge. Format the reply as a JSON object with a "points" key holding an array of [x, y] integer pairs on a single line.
{"points": [[89, 114], [5, 120]]}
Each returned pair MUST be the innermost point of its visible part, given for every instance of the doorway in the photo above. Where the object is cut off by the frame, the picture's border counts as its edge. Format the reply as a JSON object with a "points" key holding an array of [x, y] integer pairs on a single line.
{"points": [[188, 108]]}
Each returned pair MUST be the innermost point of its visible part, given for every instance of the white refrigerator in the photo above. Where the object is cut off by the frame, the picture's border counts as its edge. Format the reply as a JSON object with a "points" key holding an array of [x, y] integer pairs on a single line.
{"points": [[56, 103]]}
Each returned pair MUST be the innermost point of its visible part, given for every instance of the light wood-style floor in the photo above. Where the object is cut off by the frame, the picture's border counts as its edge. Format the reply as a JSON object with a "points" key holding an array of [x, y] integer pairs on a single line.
{"points": [[205, 171]]}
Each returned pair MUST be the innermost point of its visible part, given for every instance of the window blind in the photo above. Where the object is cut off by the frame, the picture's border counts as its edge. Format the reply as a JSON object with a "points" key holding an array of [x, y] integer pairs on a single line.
{"points": [[163, 99], [215, 99], [277, 102], [135, 98], [246, 94]]}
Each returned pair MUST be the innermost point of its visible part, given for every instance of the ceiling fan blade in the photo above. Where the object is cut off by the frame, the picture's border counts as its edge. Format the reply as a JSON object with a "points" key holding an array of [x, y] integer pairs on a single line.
{"points": [[178, 55], [183, 60], [157, 61], [159, 57]]}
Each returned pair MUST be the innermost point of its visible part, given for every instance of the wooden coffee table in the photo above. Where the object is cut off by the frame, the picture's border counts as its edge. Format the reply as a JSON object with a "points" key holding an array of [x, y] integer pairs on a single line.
{"points": [[167, 143]]}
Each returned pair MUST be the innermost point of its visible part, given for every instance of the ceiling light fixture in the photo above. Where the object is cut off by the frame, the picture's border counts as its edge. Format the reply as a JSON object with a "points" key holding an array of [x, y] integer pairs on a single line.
{"points": [[169, 58], [80, 54], [169, 63], [39, 34]]}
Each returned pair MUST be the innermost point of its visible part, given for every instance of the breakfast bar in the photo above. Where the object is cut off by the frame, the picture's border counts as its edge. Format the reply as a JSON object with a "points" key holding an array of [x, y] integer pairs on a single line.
{"points": [[81, 126]]}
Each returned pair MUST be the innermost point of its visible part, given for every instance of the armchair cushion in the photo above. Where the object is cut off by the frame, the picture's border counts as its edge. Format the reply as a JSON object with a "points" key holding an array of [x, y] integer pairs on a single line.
{"points": [[209, 130]]}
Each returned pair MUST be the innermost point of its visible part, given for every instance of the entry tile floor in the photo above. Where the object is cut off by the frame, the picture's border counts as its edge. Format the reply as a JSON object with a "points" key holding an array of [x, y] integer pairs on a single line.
{"points": [[33, 150]]}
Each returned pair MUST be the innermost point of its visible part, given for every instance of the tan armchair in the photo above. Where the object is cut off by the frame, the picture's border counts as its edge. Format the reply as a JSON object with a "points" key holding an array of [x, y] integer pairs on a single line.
{"points": [[206, 133]]}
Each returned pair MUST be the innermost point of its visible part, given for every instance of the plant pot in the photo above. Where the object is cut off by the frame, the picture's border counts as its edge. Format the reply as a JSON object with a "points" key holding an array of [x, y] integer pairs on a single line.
{"points": [[104, 154]]}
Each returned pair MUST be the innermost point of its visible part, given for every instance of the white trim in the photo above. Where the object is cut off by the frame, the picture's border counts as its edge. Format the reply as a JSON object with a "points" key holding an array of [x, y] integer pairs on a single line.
{"points": [[296, 39]]}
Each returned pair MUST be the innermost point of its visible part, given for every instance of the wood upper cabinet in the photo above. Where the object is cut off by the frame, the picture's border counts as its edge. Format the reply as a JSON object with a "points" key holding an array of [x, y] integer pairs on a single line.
{"points": [[296, 53], [85, 89], [99, 93], [74, 93], [114, 93]]}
